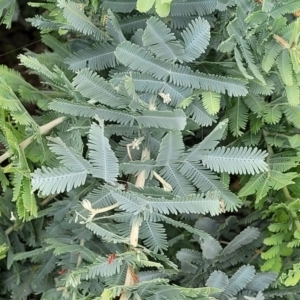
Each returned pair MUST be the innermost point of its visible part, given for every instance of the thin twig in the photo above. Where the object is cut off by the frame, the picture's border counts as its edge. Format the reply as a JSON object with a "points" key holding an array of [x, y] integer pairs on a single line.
{"points": [[42, 130]]}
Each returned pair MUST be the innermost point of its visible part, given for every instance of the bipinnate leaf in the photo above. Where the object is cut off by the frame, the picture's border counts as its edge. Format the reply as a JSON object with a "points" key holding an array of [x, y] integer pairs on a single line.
{"points": [[261, 281], [58, 180], [171, 149], [211, 102], [80, 21], [243, 238], [239, 281], [217, 279], [139, 59], [196, 39], [71, 174], [210, 248], [236, 160], [161, 41], [208, 143], [102, 158]]}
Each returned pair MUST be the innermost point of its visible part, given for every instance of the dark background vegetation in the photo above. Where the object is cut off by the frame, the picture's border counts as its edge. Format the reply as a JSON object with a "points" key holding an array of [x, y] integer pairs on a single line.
{"points": [[18, 38]]}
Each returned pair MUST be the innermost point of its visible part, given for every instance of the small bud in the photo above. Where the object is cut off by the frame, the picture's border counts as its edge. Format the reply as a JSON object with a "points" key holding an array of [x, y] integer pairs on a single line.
{"points": [[166, 97], [87, 205], [12, 217]]}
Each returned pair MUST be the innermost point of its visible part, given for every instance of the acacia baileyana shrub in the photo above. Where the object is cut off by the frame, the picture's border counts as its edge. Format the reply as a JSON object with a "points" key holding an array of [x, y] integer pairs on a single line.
{"points": [[119, 187]]}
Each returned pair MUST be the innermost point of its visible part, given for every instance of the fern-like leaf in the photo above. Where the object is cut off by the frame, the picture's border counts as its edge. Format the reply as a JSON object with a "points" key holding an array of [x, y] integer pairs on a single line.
{"points": [[193, 7], [238, 281], [91, 85], [208, 143], [293, 94], [113, 28], [79, 20], [285, 67], [171, 149], [28, 198], [211, 102], [57, 180], [206, 181], [196, 39], [126, 6], [245, 237], [154, 236], [102, 158], [57, 46], [261, 281], [217, 279], [238, 117], [158, 37], [236, 160], [292, 114], [290, 7], [160, 119], [33, 63], [68, 156], [97, 57], [248, 55], [85, 110], [181, 186], [211, 248], [141, 60], [272, 51]]}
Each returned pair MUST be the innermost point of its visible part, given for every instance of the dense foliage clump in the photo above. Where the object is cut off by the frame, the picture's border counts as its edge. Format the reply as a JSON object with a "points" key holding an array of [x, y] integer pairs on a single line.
{"points": [[162, 158]]}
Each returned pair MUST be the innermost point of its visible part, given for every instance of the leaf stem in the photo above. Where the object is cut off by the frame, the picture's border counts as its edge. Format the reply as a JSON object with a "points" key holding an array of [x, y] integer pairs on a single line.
{"points": [[135, 228], [42, 130], [79, 260]]}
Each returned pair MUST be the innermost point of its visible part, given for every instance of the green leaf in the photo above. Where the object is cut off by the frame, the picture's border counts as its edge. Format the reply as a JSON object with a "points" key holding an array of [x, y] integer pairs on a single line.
{"points": [[144, 6], [294, 141], [196, 39], [159, 119], [205, 181], [238, 117], [272, 114], [238, 281], [236, 160], [154, 236], [249, 57], [3, 250], [57, 180], [267, 5], [162, 8], [211, 102], [79, 20], [293, 94], [171, 149], [238, 59], [208, 143], [161, 41], [92, 86], [28, 197], [141, 60], [245, 237], [285, 67], [99, 56], [102, 158], [211, 248]]}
